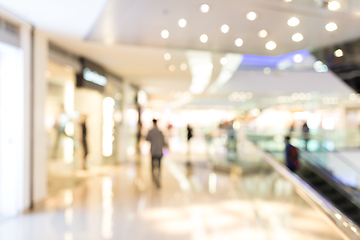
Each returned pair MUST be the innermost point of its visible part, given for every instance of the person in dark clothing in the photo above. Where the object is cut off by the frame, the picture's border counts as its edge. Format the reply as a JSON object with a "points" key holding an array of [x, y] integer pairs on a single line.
{"points": [[189, 132], [157, 141], [84, 141], [306, 136], [291, 155]]}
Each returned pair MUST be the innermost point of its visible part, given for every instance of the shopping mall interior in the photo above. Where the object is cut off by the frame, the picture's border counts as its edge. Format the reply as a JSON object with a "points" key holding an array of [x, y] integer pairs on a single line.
{"points": [[162, 119]]}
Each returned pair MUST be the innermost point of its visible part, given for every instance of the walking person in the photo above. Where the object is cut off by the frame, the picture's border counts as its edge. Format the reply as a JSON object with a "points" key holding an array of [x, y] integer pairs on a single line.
{"points": [[189, 137], [157, 141], [84, 141]]}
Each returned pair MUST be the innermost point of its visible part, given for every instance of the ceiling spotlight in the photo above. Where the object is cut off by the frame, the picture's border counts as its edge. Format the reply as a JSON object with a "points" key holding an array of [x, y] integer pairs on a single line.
{"points": [[204, 8], [334, 5], [182, 23], [267, 70], [262, 33], [251, 16], [287, 1], [239, 42], [331, 26], [167, 56], [183, 67], [292, 22], [270, 45], [225, 28], [298, 58], [297, 37], [172, 68], [165, 34], [223, 61], [338, 53], [204, 38]]}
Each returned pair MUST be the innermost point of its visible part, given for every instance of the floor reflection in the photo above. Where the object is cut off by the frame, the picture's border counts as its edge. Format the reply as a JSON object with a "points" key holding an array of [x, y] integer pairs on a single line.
{"points": [[193, 202]]}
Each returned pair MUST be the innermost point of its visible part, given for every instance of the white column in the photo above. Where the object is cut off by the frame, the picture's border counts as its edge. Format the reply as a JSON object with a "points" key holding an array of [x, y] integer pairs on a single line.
{"points": [[124, 131], [39, 131]]}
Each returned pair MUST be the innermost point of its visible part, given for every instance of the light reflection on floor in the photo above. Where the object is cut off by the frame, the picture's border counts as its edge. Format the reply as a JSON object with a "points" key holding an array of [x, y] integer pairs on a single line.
{"points": [[193, 203]]}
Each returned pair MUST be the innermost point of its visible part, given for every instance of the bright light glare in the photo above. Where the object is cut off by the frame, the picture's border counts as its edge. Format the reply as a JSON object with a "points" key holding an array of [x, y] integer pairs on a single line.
{"points": [[108, 126], [183, 67], [225, 28], [287, 1], [204, 8], [251, 16], [262, 33], [223, 61], [338, 53], [319, 66], [182, 23], [297, 37], [165, 34], [298, 58], [236, 125], [167, 56], [239, 42], [331, 27], [334, 5], [204, 38], [267, 70], [270, 45], [292, 22]]}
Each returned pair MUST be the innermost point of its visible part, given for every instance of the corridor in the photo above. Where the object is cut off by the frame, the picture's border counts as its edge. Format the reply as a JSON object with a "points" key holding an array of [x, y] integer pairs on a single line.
{"points": [[192, 203]]}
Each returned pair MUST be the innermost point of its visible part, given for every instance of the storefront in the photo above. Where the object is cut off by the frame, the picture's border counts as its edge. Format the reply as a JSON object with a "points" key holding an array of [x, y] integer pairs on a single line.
{"points": [[14, 96], [83, 117]]}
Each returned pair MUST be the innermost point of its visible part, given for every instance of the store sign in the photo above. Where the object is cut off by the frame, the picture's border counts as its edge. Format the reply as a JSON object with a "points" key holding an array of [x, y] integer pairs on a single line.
{"points": [[92, 76]]}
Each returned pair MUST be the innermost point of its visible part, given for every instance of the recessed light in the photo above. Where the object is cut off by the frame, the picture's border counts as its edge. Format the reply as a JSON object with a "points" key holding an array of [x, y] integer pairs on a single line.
{"points": [[172, 68], [297, 37], [298, 58], [262, 34], [165, 34], [287, 1], [331, 26], [239, 42], [182, 23], [251, 16], [223, 61], [334, 5], [267, 70], [183, 67], [338, 53], [204, 38], [204, 8], [167, 56], [225, 28], [270, 45], [292, 22]]}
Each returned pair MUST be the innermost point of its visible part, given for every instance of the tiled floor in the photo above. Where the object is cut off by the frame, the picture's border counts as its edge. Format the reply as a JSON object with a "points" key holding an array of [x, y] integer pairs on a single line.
{"points": [[193, 203]]}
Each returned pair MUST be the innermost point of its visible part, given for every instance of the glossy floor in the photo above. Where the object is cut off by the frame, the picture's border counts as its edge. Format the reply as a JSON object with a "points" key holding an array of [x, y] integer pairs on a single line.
{"points": [[192, 203]]}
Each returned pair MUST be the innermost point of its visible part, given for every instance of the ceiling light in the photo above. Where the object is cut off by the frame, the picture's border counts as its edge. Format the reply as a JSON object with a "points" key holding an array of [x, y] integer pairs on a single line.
{"points": [[251, 16], [225, 28], [182, 23], [223, 61], [338, 53], [287, 1], [334, 5], [239, 42], [204, 8], [298, 58], [297, 37], [167, 56], [165, 34], [262, 33], [172, 68], [183, 67], [267, 70], [292, 22], [331, 27], [204, 38], [270, 45]]}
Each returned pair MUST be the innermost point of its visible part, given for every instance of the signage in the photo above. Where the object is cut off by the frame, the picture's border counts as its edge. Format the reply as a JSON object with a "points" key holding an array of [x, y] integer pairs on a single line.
{"points": [[92, 76]]}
